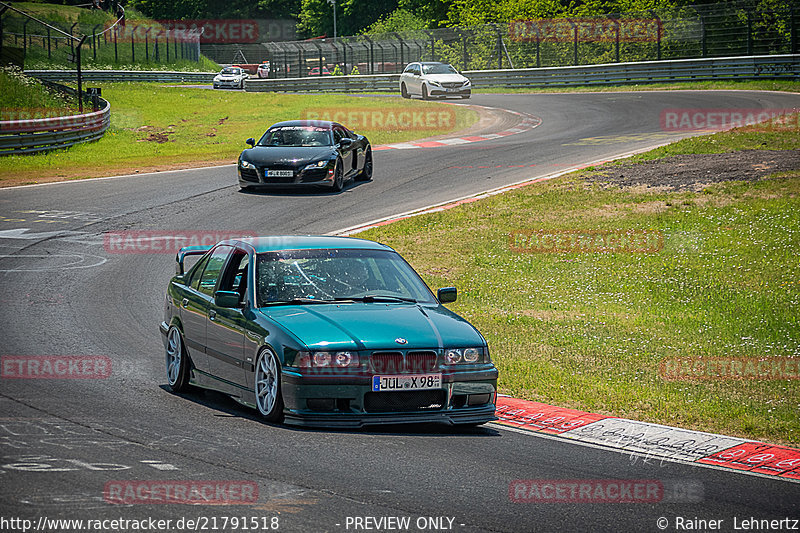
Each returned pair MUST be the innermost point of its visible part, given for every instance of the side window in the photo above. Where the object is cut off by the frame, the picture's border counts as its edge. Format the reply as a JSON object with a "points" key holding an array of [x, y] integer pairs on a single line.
{"points": [[417, 70], [337, 135], [213, 268], [198, 270], [235, 278]]}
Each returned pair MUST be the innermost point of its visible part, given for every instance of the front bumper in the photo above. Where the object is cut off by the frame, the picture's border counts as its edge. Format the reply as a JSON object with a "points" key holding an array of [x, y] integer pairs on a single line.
{"points": [[256, 178], [466, 397], [437, 91]]}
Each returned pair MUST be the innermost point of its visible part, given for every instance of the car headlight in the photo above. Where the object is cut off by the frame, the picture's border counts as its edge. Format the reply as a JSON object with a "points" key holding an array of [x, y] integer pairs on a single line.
{"points": [[466, 83], [247, 164], [469, 356], [342, 359], [318, 164], [436, 83]]}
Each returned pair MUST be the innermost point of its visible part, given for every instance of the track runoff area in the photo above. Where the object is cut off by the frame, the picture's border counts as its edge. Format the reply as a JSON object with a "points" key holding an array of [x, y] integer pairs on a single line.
{"points": [[642, 440]]}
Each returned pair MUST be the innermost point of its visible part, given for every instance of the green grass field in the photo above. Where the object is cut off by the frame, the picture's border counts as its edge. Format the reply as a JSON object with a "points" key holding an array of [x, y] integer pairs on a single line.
{"points": [[590, 330], [155, 126], [23, 93]]}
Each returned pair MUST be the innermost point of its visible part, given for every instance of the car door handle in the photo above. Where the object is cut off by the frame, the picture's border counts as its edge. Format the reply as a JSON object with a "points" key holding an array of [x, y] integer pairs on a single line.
{"points": [[212, 315], [185, 302]]}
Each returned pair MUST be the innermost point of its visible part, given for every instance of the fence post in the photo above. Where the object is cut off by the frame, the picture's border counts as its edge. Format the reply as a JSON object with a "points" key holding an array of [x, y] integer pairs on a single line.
{"points": [[464, 51], [538, 57], [658, 38], [147, 46], [133, 46], [25, 37], [499, 46], [78, 71], [48, 43], [95, 38], [116, 56], [704, 52], [166, 43], [371, 55], [155, 49], [72, 44], [402, 54]]}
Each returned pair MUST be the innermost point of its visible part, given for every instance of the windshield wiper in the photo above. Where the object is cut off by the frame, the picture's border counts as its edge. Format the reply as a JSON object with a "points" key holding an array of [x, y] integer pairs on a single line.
{"points": [[381, 298], [303, 301]]}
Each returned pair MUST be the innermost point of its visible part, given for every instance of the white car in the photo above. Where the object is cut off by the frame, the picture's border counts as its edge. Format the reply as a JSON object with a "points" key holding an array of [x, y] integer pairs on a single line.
{"points": [[433, 79], [231, 77], [263, 70]]}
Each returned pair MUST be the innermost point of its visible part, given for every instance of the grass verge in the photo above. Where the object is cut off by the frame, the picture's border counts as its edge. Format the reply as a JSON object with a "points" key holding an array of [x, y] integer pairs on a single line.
{"points": [[158, 127], [590, 330], [753, 85]]}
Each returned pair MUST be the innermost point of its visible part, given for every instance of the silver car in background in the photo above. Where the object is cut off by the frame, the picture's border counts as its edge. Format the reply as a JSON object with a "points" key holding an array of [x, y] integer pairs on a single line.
{"points": [[429, 78], [230, 77]]}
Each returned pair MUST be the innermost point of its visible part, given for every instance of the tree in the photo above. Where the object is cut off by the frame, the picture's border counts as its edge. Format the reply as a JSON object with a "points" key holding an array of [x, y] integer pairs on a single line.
{"points": [[352, 16]]}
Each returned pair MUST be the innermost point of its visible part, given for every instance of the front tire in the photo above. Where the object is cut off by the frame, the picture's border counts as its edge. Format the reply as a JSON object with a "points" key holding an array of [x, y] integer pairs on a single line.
{"points": [[404, 91], [424, 92], [267, 386], [366, 172], [177, 361], [338, 176]]}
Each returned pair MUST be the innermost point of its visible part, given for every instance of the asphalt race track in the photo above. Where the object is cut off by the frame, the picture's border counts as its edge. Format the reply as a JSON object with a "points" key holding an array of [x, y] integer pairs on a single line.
{"points": [[63, 293]]}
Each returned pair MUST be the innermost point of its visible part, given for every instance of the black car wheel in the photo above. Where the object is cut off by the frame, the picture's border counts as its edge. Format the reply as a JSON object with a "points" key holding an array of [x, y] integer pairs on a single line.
{"points": [[177, 361], [366, 172], [338, 176], [424, 92], [267, 386], [403, 90]]}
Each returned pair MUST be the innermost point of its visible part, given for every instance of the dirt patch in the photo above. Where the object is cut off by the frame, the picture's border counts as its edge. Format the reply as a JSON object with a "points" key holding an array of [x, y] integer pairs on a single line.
{"points": [[157, 137], [694, 171]]}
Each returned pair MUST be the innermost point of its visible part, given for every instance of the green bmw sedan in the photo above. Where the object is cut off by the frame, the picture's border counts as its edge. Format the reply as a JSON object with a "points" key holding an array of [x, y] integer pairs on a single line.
{"points": [[324, 331]]}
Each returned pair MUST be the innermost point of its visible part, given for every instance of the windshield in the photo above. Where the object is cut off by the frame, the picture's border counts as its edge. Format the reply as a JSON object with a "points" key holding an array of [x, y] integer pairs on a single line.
{"points": [[296, 136], [337, 275], [438, 69], [231, 71]]}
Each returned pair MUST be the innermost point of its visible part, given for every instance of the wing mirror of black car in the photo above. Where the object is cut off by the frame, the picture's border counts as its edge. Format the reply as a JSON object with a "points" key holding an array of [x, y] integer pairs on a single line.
{"points": [[251, 142], [227, 299], [347, 141], [447, 295]]}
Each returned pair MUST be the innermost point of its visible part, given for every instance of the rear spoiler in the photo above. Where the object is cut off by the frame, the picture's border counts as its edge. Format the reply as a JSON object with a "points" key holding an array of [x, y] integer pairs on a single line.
{"points": [[188, 250]]}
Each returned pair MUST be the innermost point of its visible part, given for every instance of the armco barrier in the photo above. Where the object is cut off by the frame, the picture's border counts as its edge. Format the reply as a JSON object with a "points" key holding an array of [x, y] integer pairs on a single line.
{"points": [[124, 75], [37, 135], [681, 70]]}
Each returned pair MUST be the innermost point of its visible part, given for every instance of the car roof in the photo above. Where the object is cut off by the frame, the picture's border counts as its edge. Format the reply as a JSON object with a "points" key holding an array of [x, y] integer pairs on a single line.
{"points": [[275, 243], [308, 122]]}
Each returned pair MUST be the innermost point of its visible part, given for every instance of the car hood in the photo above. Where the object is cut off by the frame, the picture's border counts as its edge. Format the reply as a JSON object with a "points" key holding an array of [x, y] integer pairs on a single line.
{"points": [[286, 155], [445, 78], [374, 326]]}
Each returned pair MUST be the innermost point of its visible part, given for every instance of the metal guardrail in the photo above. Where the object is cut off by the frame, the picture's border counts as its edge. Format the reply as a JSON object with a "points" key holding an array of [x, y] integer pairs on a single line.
{"points": [[125, 75], [41, 134], [681, 70]]}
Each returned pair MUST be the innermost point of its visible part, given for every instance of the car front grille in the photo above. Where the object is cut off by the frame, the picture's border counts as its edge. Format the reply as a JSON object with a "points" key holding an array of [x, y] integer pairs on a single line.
{"points": [[376, 402], [412, 362], [248, 174], [452, 84]]}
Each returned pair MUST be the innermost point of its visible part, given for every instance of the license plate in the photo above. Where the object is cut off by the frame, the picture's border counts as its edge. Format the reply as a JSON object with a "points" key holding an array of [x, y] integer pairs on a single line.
{"points": [[417, 382], [280, 173], [451, 90]]}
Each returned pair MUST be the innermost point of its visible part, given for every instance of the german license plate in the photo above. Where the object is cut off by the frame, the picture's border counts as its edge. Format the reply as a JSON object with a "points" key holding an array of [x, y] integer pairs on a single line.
{"points": [[415, 382], [280, 173], [452, 90]]}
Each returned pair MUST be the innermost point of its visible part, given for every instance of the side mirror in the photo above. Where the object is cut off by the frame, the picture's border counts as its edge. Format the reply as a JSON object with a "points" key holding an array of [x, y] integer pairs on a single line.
{"points": [[447, 295], [346, 141], [228, 299], [251, 142]]}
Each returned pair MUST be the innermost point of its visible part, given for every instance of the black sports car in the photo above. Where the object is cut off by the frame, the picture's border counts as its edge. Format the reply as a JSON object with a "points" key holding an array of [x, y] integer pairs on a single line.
{"points": [[301, 152]]}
